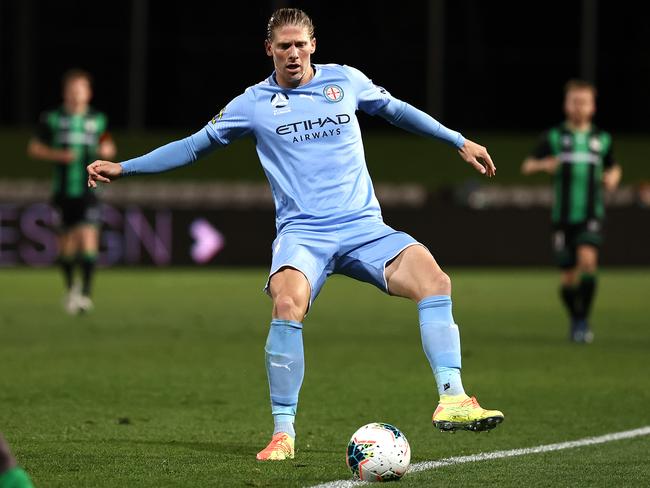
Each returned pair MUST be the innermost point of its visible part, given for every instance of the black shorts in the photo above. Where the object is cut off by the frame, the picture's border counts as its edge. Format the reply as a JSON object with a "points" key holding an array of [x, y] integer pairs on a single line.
{"points": [[567, 238], [77, 211]]}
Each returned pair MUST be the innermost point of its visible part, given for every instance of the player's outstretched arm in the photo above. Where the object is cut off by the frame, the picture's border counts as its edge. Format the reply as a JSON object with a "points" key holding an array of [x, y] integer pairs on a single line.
{"points": [[478, 157], [37, 150], [543, 165], [407, 117], [103, 171], [165, 158]]}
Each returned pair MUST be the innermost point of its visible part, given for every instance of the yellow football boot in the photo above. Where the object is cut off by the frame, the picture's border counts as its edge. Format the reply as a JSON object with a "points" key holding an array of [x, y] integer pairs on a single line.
{"points": [[464, 413], [279, 449]]}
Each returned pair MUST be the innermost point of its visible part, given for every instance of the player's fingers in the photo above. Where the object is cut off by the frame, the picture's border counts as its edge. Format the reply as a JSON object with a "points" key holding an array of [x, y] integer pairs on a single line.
{"points": [[91, 169], [95, 167], [477, 165], [492, 169], [95, 176]]}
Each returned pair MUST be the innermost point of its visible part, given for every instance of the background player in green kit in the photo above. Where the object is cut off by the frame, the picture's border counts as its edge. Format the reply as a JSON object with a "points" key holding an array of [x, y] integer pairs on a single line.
{"points": [[72, 136], [580, 158]]}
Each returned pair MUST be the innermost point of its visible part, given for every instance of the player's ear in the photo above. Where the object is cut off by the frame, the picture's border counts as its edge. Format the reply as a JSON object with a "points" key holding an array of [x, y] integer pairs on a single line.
{"points": [[313, 45], [268, 48]]}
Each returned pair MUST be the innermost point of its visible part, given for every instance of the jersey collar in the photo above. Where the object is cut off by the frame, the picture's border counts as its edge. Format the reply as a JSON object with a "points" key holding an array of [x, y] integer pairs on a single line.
{"points": [[274, 82]]}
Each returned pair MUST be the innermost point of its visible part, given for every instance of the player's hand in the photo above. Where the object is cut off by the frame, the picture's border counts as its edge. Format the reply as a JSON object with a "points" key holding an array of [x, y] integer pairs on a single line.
{"points": [[612, 177], [477, 156], [104, 171], [107, 149], [66, 156]]}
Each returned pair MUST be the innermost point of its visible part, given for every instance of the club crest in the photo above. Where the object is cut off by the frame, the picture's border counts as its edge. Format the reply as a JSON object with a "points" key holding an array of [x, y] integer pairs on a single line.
{"points": [[333, 93]]}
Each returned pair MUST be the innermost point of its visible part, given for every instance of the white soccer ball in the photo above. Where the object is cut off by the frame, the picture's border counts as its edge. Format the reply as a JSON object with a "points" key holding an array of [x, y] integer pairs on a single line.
{"points": [[378, 452]]}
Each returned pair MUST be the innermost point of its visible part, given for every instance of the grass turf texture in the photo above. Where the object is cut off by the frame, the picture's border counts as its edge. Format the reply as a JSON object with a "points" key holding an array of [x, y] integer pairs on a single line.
{"points": [[164, 384]]}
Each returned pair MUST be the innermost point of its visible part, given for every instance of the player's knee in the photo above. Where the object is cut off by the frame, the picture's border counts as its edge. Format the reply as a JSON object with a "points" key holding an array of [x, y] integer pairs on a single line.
{"points": [[287, 307], [587, 262], [442, 283], [589, 268], [438, 283]]}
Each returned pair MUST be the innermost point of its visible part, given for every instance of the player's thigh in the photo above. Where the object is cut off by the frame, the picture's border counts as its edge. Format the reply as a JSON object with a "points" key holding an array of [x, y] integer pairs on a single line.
{"points": [[367, 249], [289, 281], [89, 237], [415, 274], [67, 241], [290, 291], [587, 257], [301, 263], [588, 241]]}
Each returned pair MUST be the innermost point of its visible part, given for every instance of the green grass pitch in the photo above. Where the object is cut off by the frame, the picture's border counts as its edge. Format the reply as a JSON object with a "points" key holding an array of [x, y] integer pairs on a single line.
{"points": [[164, 383]]}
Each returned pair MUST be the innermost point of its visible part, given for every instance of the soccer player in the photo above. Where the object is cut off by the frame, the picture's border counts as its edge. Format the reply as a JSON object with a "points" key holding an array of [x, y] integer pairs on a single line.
{"points": [[72, 136], [580, 158], [11, 475], [308, 140]]}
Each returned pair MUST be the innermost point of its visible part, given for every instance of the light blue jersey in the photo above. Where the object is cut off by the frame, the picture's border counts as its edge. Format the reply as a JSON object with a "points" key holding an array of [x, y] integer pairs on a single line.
{"points": [[308, 141]]}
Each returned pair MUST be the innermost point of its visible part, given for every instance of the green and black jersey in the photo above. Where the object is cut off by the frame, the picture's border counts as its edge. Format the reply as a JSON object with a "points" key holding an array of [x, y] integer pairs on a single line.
{"points": [[82, 134], [578, 179]]}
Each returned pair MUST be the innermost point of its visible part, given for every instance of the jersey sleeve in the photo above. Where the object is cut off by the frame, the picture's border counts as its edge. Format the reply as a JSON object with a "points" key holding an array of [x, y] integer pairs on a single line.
{"points": [[235, 120], [173, 155], [543, 148], [370, 97], [375, 100], [43, 132]]}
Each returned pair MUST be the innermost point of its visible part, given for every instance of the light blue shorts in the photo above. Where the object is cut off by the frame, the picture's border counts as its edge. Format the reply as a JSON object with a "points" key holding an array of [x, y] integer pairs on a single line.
{"points": [[359, 249]]}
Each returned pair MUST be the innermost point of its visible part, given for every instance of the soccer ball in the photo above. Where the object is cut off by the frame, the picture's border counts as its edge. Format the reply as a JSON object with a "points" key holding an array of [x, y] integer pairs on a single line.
{"points": [[378, 452]]}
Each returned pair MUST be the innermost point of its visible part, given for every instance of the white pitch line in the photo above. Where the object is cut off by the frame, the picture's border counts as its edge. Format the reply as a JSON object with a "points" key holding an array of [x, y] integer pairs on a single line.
{"points": [[484, 456]]}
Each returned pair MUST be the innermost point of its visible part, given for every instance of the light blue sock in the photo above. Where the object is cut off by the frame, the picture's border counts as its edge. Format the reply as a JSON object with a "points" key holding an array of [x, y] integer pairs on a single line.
{"points": [[441, 343], [284, 423], [285, 367]]}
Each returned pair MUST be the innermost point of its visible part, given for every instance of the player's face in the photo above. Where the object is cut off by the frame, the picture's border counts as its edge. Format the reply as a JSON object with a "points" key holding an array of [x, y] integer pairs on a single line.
{"points": [[291, 49], [580, 105], [77, 92]]}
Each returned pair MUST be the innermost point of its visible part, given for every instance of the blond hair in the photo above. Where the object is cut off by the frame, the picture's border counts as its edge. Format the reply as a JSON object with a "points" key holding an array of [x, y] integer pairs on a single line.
{"points": [[289, 16]]}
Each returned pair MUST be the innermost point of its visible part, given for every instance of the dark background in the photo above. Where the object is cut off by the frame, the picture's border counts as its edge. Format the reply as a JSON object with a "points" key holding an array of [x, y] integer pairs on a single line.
{"points": [[494, 70], [503, 63]]}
